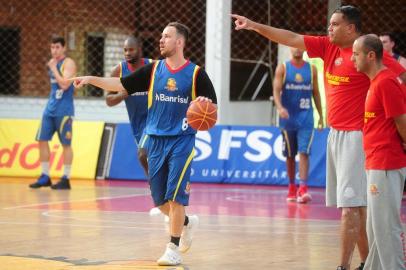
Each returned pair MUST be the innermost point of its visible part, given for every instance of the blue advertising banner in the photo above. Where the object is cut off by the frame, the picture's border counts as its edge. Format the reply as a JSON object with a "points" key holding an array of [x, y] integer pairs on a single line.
{"points": [[124, 162], [229, 154]]}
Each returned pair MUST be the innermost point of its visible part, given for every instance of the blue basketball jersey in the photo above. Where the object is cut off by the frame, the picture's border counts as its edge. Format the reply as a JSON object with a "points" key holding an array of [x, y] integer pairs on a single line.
{"points": [[136, 103], [169, 95], [60, 102], [296, 96]]}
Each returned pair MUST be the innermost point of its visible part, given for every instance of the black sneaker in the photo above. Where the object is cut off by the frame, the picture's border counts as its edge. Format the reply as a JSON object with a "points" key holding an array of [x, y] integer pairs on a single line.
{"points": [[62, 184], [43, 181], [340, 268], [360, 267]]}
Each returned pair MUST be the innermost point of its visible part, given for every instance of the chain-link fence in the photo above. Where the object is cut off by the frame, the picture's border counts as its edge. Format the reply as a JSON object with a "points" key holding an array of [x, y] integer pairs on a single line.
{"points": [[254, 59], [95, 31]]}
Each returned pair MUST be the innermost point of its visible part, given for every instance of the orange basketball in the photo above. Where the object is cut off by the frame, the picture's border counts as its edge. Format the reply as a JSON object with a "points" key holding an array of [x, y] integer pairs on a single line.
{"points": [[201, 115]]}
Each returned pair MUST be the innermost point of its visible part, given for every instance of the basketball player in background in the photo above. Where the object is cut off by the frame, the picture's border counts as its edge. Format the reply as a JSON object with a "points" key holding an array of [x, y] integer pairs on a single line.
{"points": [[294, 85], [388, 42], [346, 91], [172, 84], [136, 104], [58, 115], [384, 133]]}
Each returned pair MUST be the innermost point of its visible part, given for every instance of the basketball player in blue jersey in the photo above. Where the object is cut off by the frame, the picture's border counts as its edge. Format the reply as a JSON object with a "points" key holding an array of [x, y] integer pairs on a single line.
{"points": [[294, 85], [57, 116], [136, 104], [388, 42], [172, 84]]}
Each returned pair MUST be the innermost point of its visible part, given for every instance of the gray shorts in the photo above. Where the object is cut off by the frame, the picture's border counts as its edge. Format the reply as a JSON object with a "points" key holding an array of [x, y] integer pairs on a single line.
{"points": [[384, 226], [346, 178]]}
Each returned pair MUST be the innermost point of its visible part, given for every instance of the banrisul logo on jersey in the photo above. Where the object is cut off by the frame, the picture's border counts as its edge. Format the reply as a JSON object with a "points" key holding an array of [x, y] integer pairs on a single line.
{"points": [[292, 86], [242, 154], [173, 99]]}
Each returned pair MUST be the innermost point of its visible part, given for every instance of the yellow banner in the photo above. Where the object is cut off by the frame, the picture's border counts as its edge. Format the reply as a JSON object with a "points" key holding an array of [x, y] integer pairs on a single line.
{"points": [[318, 62], [19, 152]]}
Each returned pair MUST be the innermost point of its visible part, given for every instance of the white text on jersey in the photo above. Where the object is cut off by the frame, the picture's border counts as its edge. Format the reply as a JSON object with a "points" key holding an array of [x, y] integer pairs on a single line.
{"points": [[177, 99]]}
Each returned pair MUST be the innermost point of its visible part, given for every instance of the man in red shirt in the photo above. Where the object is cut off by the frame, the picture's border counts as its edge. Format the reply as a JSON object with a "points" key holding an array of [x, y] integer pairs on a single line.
{"points": [[384, 134], [346, 91]]}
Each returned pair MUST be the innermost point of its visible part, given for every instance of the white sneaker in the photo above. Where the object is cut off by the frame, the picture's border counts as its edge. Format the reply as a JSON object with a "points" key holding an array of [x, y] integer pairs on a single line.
{"points": [[171, 255], [155, 212], [187, 234]]}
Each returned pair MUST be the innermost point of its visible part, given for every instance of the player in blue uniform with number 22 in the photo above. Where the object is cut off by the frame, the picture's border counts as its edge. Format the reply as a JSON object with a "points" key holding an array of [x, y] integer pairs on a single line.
{"points": [[295, 84]]}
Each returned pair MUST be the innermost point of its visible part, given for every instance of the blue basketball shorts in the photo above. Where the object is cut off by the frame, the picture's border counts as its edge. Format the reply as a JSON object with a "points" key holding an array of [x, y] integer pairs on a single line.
{"points": [[169, 167], [51, 124], [294, 141]]}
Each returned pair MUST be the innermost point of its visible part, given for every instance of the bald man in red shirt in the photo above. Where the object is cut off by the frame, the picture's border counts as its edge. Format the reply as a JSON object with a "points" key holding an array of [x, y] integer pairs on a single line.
{"points": [[384, 135], [346, 91]]}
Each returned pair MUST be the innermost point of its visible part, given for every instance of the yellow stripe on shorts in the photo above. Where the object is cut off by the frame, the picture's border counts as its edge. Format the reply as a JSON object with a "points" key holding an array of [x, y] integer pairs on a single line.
{"points": [[65, 118], [285, 134], [310, 142], [189, 159]]}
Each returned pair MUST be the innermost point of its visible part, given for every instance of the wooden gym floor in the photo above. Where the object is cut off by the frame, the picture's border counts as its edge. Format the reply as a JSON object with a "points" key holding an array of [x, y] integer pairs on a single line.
{"points": [[107, 225]]}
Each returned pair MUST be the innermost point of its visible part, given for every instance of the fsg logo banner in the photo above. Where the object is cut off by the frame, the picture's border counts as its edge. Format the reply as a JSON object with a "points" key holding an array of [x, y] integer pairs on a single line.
{"points": [[248, 154]]}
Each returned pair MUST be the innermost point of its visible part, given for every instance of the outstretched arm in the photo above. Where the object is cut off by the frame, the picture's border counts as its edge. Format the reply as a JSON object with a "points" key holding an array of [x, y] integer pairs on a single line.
{"points": [[113, 99], [107, 84], [277, 35], [137, 81]]}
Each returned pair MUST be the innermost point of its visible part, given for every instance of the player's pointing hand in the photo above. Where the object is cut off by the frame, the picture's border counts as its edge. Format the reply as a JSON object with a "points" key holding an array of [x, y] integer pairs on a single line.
{"points": [[242, 22], [80, 81]]}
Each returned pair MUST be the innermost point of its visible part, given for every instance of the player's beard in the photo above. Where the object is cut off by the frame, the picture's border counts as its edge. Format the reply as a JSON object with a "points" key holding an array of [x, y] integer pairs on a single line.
{"points": [[132, 61], [167, 54]]}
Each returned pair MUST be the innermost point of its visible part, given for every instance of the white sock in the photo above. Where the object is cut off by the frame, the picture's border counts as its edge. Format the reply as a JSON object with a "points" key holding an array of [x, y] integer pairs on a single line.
{"points": [[45, 167], [66, 170]]}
